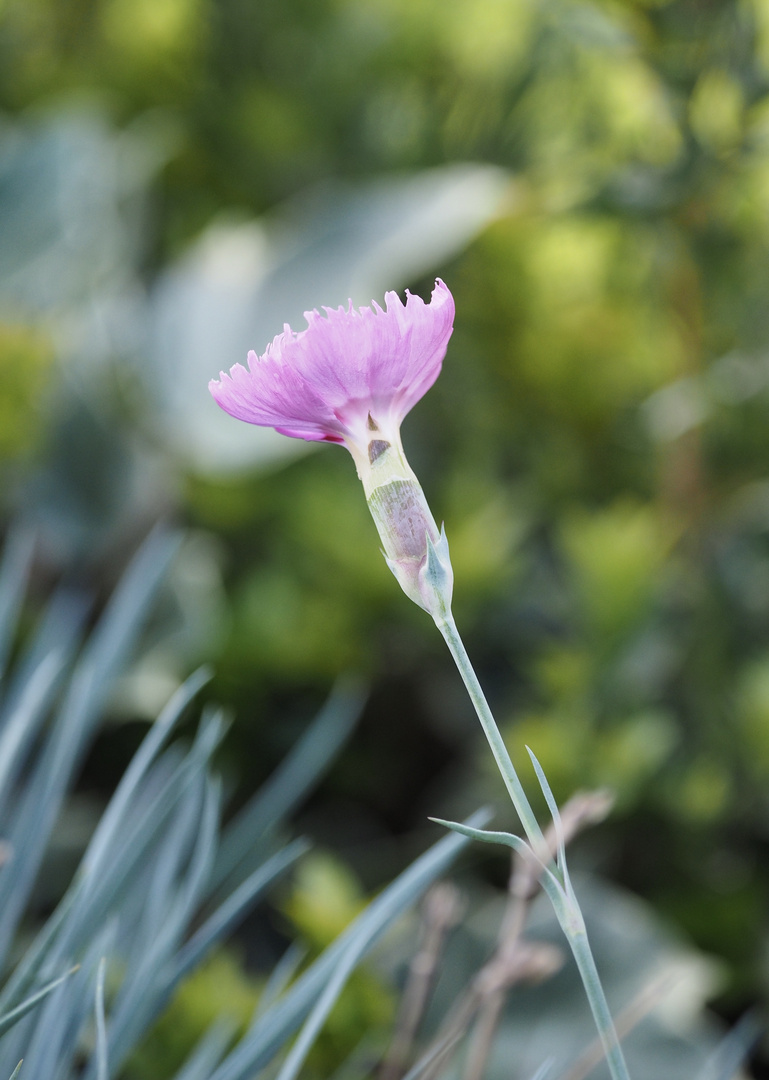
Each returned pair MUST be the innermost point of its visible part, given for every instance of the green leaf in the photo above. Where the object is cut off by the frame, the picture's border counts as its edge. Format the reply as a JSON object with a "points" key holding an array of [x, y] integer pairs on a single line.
{"points": [[487, 836]]}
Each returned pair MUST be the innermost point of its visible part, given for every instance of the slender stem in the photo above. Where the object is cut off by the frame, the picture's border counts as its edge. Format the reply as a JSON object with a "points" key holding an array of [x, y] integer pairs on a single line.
{"points": [[448, 629], [599, 1006], [566, 911], [631, 1015]]}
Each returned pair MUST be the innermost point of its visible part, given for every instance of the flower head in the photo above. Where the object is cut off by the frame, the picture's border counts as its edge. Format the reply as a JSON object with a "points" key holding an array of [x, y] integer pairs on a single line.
{"points": [[324, 382], [351, 378]]}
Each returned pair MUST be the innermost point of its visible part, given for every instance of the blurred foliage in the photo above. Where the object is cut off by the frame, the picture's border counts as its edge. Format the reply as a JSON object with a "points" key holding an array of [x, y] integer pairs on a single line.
{"points": [[221, 992], [325, 897], [25, 370], [218, 990], [597, 442]]}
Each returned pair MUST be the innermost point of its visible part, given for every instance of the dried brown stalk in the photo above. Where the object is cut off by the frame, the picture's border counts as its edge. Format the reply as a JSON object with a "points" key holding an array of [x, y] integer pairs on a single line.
{"points": [[514, 960], [442, 910]]}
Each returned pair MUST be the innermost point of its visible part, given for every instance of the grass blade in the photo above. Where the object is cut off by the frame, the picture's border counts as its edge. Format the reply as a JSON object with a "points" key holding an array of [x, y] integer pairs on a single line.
{"points": [[26, 717], [325, 1003], [302, 768], [59, 631], [100, 663], [280, 977], [235, 907], [275, 1025], [102, 1068], [208, 1053], [729, 1056], [104, 836], [10, 1018], [14, 571], [544, 1070], [555, 813]]}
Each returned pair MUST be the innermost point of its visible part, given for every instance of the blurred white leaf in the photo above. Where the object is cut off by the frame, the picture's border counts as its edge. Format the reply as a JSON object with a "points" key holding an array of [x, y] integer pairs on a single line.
{"points": [[69, 232], [645, 968]]}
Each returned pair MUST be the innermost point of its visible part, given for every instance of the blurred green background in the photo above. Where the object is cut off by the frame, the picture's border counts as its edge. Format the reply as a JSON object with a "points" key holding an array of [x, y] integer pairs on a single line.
{"points": [[591, 179]]}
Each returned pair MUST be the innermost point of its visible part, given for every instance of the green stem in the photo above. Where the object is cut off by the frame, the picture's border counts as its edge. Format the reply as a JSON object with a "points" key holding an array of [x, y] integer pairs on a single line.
{"points": [[570, 919], [599, 1006], [448, 628]]}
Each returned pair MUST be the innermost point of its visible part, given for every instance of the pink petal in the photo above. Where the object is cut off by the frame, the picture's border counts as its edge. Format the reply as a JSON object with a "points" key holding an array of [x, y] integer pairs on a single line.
{"points": [[319, 383]]}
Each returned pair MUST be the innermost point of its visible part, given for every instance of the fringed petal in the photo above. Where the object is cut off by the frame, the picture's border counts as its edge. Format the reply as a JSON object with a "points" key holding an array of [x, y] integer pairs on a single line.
{"points": [[322, 382]]}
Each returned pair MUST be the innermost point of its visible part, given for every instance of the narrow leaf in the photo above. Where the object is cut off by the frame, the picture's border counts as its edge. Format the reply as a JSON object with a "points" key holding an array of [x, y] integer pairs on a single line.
{"points": [[280, 977], [160, 971], [209, 1051], [26, 717], [271, 1030], [14, 570], [321, 1009], [729, 1056], [102, 1069], [487, 836], [141, 761], [302, 768], [544, 1070], [16, 1014], [549, 881], [236, 907], [100, 662], [552, 806]]}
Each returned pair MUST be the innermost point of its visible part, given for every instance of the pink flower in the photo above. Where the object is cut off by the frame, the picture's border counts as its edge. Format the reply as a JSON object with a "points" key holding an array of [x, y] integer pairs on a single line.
{"points": [[351, 378], [324, 382]]}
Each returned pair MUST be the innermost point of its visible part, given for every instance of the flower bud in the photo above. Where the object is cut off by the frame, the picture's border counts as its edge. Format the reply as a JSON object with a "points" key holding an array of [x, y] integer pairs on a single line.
{"points": [[415, 549]]}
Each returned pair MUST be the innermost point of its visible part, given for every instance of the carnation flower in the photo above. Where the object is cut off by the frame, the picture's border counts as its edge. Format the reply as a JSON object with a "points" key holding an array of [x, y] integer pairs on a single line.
{"points": [[351, 378], [324, 382]]}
